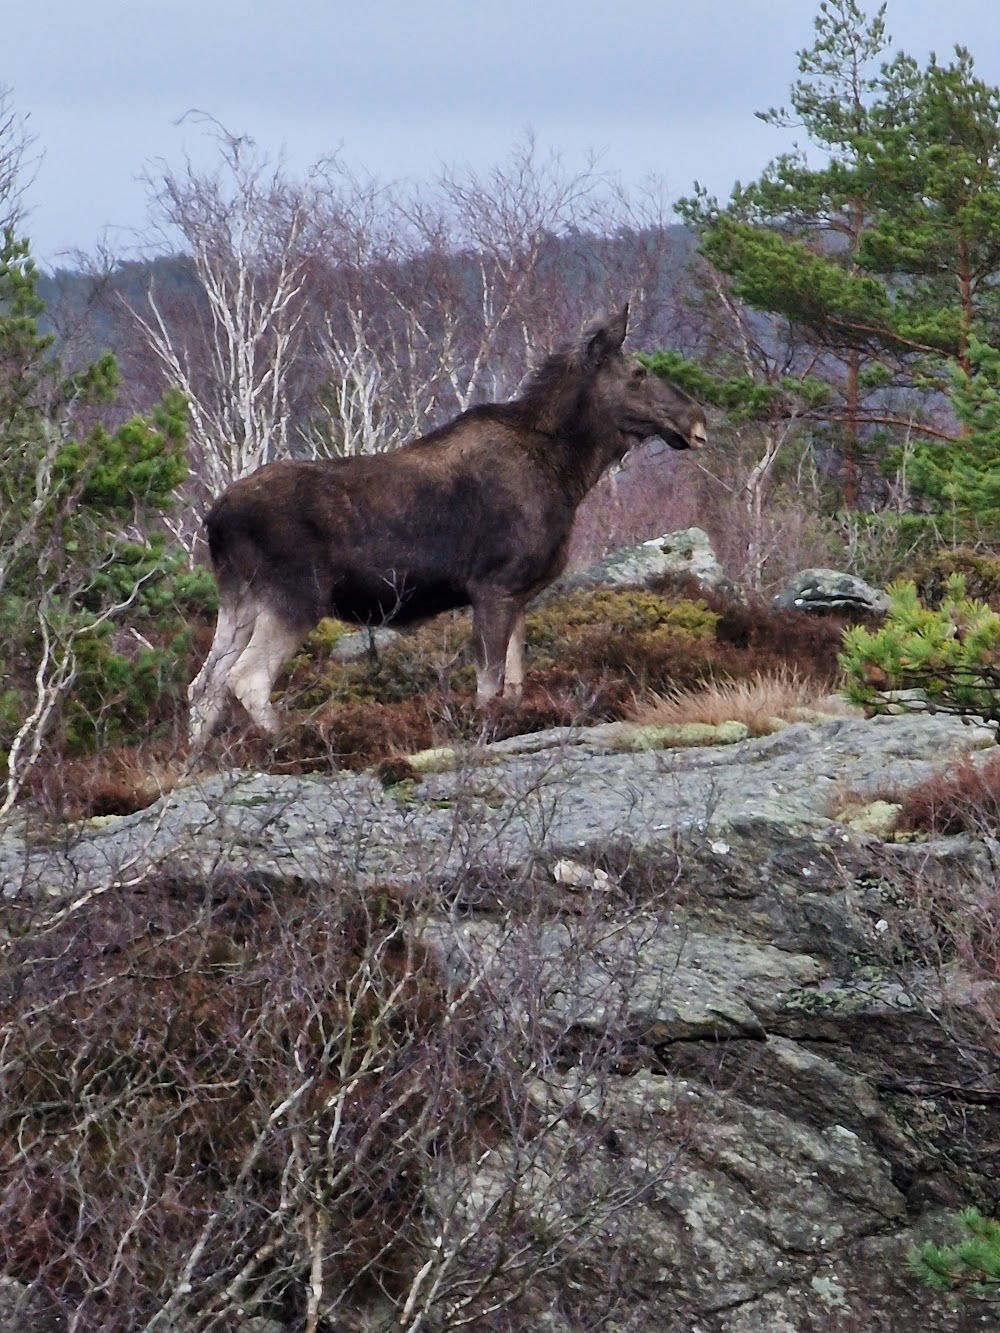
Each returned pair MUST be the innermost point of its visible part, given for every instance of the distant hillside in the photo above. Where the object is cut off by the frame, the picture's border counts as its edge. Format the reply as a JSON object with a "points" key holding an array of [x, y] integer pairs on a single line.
{"points": [[90, 312]]}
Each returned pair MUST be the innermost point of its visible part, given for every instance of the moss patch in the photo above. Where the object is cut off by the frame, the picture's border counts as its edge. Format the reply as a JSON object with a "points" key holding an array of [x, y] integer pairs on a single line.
{"points": [[672, 735]]}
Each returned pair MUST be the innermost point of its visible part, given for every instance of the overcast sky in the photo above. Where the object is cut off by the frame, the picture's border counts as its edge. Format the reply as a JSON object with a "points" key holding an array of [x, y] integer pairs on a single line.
{"points": [[662, 88]]}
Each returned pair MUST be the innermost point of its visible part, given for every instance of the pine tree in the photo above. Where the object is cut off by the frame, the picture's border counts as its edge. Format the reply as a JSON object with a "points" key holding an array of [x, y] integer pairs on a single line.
{"points": [[790, 243], [971, 1266], [78, 508], [941, 241], [883, 260]]}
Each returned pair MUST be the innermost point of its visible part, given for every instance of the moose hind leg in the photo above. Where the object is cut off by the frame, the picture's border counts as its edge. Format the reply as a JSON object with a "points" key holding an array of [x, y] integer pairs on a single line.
{"points": [[493, 620], [207, 693], [272, 643]]}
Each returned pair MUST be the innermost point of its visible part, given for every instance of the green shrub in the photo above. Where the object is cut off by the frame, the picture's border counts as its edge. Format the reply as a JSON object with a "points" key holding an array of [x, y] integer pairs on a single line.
{"points": [[628, 611], [980, 572], [972, 1265], [94, 620], [950, 655]]}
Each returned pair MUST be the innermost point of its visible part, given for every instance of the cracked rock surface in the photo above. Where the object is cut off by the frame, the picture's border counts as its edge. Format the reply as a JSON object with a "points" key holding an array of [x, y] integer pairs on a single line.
{"points": [[814, 1095]]}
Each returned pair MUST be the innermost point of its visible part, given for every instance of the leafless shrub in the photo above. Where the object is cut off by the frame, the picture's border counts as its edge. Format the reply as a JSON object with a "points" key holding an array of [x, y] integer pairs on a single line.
{"points": [[17, 168], [964, 798], [228, 1095], [783, 531]]}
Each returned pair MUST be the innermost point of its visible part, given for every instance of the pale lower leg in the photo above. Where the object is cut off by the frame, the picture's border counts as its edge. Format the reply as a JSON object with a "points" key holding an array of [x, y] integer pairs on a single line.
{"points": [[207, 693], [492, 624], [513, 675], [252, 678]]}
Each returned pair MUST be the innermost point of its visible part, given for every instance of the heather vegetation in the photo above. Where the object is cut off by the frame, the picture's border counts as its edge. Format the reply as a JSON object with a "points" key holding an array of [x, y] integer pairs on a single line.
{"points": [[221, 1099], [275, 1099]]}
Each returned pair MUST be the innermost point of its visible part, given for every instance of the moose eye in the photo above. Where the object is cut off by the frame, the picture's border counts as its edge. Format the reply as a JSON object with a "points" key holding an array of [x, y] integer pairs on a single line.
{"points": [[638, 374]]}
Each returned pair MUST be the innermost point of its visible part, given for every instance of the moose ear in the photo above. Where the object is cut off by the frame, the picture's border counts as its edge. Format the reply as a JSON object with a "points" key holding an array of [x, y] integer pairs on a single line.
{"points": [[605, 336], [618, 327]]}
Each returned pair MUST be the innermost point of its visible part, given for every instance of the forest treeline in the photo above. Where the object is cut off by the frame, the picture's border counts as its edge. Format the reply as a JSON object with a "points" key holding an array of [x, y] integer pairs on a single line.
{"points": [[838, 315]]}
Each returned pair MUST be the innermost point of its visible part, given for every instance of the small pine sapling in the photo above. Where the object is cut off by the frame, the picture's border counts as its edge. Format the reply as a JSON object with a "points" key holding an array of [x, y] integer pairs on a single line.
{"points": [[972, 1266], [948, 658]]}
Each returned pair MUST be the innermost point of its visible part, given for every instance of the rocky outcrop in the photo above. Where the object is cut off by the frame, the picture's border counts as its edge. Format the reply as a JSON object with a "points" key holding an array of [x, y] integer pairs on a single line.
{"points": [[22, 1309], [361, 644], [791, 1073], [681, 555], [823, 591]]}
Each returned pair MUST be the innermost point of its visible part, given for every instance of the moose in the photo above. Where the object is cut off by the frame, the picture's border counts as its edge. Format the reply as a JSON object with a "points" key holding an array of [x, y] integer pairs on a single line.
{"points": [[477, 513]]}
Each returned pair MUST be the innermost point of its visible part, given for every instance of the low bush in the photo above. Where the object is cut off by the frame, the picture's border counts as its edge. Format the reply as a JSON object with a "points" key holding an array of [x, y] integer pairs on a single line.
{"points": [[771, 638], [117, 780], [980, 573], [629, 611], [964, 798]]}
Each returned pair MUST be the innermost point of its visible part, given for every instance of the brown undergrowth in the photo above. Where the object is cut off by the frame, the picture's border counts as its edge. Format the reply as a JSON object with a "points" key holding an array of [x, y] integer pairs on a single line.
{"points": [[589, 656], [224, 1095], [118, 780], [149, 1044], [964, 798], [173, 1060]]}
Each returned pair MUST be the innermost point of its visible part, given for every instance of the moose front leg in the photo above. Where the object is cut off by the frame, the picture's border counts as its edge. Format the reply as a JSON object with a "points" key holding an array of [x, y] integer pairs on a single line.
{"points": [[513, 677], [497, 625]]}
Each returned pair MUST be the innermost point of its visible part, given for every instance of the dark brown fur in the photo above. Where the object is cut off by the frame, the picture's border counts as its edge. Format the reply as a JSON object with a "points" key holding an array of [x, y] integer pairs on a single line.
{"points": [[477, 513]]}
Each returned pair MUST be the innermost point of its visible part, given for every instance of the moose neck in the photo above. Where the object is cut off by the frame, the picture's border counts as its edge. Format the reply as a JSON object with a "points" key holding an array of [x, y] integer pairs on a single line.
{"points": [[583, 449], [565, 401]]}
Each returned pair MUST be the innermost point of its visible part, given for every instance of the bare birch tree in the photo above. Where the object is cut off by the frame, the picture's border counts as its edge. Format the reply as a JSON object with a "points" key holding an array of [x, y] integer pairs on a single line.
{"points": [[337, 315], [232, 350], [480, 275]]}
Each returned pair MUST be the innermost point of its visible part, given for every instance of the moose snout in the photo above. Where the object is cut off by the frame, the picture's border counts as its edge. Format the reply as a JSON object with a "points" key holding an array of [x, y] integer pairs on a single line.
{"points": [[699, 435]]}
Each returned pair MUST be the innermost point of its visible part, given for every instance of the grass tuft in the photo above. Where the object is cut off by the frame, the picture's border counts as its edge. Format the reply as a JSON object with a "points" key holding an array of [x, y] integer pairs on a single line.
{"points": [[756, 702]]}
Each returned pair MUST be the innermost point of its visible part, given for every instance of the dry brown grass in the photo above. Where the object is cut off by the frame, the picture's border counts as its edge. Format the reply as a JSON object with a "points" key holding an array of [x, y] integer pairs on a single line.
{"points": [[756, 702]]}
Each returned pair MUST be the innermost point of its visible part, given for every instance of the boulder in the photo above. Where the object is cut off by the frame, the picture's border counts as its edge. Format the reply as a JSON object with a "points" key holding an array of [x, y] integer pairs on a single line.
{"points": [[22, 1308], [361, 644], [686, 554], [822, 591]]}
